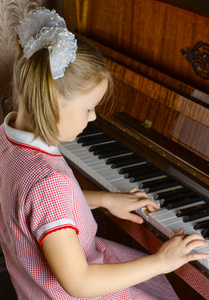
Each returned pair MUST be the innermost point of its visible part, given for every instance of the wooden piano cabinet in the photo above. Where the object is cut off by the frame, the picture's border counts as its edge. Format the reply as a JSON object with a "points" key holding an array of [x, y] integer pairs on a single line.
{"points": [[153, 31], [143, 238]]}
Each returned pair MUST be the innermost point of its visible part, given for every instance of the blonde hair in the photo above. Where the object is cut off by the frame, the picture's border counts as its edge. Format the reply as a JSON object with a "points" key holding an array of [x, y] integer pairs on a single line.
{"points": [[32, 80]]}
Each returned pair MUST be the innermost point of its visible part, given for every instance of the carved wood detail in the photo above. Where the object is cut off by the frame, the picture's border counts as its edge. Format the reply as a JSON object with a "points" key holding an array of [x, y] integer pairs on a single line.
{"points": [[198, 56]]}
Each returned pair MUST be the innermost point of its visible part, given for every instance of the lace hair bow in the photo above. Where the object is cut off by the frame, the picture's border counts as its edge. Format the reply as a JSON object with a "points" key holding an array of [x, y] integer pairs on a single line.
{"points": [[42, 28]]}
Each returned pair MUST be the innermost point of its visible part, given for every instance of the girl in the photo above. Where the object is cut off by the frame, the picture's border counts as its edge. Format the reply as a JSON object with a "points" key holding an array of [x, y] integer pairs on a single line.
{"points": [[47, 230]]}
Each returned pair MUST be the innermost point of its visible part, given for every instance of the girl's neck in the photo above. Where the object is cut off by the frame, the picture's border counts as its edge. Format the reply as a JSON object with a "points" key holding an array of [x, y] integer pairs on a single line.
{"points": [[22, 121]]}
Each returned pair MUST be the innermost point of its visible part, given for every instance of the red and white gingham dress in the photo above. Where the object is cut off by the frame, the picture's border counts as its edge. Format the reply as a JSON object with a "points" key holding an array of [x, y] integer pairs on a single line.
{"points": [[38, 195]]}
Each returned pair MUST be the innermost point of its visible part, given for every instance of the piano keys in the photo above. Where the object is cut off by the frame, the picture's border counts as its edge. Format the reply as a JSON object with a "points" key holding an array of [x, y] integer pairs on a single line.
{"points": [[180, 206]]}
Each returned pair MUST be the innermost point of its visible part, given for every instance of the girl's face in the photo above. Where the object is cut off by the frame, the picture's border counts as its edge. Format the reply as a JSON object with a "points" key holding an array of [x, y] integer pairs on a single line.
{"points": [[76, 113]]}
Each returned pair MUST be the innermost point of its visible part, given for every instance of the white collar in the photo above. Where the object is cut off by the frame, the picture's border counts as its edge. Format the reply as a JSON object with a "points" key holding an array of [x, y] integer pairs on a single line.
{"points": [[24, 138]]}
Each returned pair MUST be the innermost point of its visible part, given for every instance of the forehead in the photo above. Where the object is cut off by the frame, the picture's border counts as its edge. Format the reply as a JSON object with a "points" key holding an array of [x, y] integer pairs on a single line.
{"points": [[94, 94]]}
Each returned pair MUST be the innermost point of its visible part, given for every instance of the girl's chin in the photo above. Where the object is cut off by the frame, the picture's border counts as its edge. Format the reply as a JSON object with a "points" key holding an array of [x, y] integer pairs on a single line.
{"points": [[67, 139]]}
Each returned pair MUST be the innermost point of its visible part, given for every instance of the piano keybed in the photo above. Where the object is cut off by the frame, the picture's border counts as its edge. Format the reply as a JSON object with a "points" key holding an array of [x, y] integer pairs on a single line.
{"points": [[118, 169]]}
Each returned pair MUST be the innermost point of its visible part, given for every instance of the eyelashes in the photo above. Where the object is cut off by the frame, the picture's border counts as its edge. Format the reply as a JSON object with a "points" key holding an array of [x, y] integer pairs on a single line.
{"points": [[89, 110]]}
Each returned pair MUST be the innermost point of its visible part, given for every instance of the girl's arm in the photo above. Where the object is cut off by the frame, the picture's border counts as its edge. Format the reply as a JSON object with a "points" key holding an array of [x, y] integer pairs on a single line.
{"points": [[65, 256], [121, 204]]}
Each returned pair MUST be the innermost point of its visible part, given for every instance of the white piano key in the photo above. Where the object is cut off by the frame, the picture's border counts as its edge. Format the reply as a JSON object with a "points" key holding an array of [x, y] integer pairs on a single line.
{"points": [[66, 144], [164, 220], [107, 171], [124, 185], [188, 227], [167, 222], [72, 147], [205, 249], [174, 228], [88, 160], [81, 153], [162, 215], [110, 177], [98, 166]]}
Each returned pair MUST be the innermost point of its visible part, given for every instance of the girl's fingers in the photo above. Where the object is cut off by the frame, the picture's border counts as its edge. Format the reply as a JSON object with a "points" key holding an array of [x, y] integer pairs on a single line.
{"points": [[180, 232], [138, 193], [135, 218], [196, 244], [133, 190], [197, 256], [191, 241], [149, 203], [144, 199], [152, 207], [193, 237], [194, 241]]}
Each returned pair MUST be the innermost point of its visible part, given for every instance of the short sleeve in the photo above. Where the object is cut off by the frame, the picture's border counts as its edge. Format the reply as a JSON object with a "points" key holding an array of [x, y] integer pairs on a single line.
{"points": [[49, 206]]}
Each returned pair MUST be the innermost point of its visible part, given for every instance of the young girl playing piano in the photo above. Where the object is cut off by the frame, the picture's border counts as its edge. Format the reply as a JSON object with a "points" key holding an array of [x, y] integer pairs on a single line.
{"points": [[47, 231]]}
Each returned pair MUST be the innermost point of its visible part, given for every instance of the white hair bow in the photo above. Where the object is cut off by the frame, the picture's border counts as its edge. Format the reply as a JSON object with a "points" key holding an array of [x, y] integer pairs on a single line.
{"points": [[42, 28]]}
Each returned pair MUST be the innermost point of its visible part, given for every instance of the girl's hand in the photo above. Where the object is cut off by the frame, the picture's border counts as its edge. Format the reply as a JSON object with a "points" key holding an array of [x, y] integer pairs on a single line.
{"points": [[121, 205], [177, 251]]}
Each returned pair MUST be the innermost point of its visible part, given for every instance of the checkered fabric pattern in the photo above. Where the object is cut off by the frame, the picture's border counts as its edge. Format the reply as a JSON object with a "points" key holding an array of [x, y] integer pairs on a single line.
{"points": [[39, 194]]}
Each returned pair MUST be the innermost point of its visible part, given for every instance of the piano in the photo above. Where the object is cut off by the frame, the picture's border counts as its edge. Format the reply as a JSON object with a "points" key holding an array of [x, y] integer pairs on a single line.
{"points": [[154, 134]]}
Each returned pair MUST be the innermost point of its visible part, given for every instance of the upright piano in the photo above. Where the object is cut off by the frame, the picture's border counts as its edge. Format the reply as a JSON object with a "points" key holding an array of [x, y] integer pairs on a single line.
{"points": [[154, 134]]}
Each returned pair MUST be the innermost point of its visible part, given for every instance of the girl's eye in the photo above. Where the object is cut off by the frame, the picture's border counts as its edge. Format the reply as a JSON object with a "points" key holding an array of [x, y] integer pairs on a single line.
{"points": [[89, 110]]}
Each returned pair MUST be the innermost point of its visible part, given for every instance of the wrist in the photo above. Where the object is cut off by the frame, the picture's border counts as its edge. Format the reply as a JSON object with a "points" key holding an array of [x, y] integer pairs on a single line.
{"points": [[105, 200], [161, 263]]}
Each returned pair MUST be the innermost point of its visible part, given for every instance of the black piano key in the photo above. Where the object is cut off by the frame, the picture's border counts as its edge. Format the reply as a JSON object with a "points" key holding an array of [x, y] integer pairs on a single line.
{"points": [[114, 153], [127, 162], [161, 187], [80, 140], [205, 232], [177, 198], [135, 169], [192, 210], [183, 203], [98, 141], [196, 216], [113, 150], [158, 184], [94, 139], [164, 195], [141, 171], [120, 159], [90, 130], [105, 146], [201, 224], [147, 175]]}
